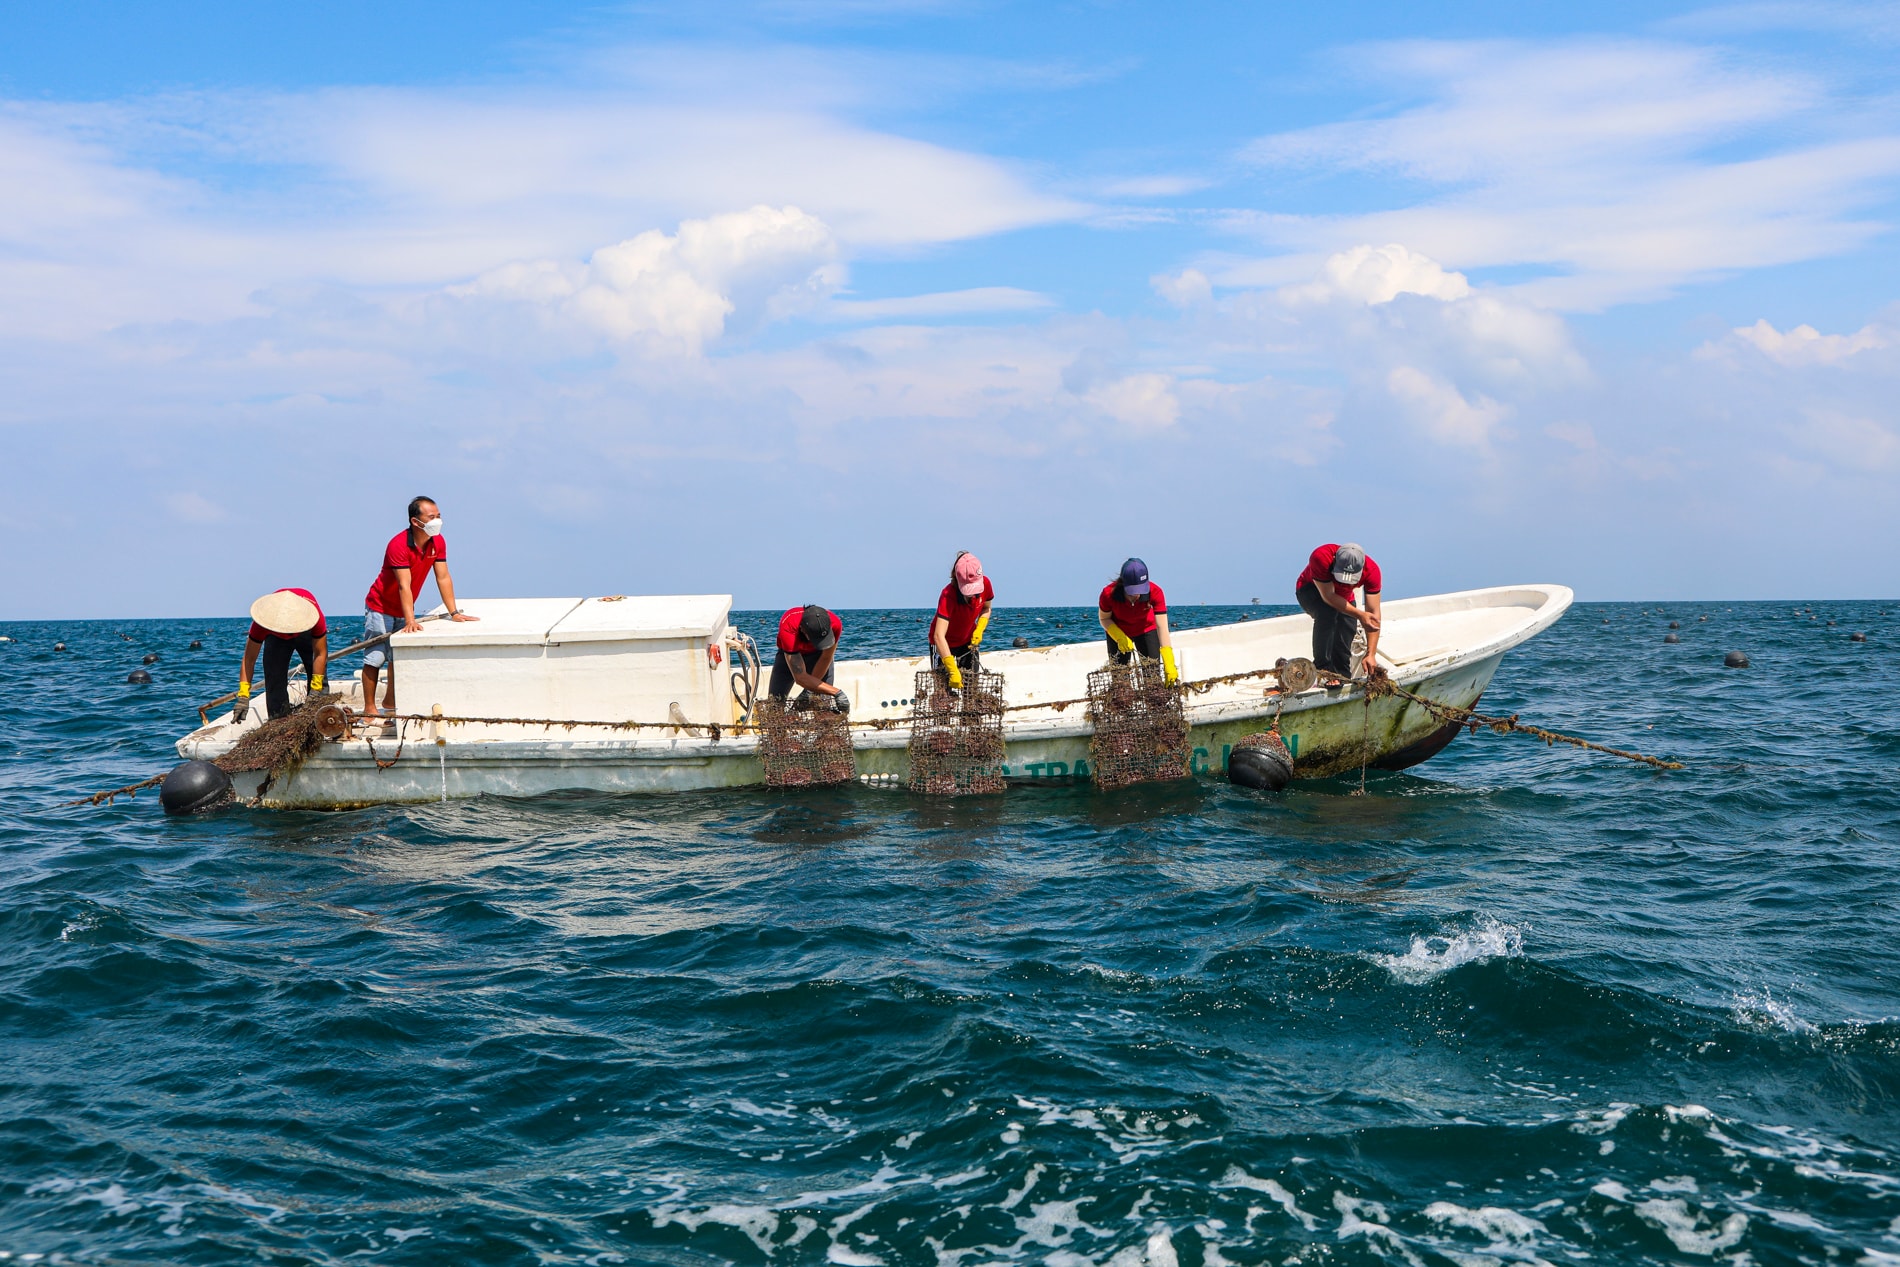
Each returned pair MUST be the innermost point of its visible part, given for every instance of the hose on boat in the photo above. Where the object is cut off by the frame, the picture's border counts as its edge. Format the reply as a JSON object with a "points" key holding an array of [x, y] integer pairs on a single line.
{"points": [[745, 676]]}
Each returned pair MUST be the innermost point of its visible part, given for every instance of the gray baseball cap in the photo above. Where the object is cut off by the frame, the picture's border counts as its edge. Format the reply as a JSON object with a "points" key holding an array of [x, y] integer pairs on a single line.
{"points": [[1349, 564]]}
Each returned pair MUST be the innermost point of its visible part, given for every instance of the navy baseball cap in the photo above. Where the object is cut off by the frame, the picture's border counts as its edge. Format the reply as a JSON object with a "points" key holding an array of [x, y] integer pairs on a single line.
{"points": [[1134, 577]]}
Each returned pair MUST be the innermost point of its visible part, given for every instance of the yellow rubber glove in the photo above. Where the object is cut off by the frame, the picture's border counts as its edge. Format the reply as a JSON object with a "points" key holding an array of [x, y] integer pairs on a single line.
{"points": [[976, 635], [1123, 643], [244, 690], [242, 708], [1168, 667], [951, 671], [316, 685]]}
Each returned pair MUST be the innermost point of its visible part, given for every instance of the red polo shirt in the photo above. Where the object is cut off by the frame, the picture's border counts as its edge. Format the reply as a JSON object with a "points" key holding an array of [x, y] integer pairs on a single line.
{"points": [[1136, 618], [962, 616], [259, 633], [788, 639], [1319, 569], [385, 595]]}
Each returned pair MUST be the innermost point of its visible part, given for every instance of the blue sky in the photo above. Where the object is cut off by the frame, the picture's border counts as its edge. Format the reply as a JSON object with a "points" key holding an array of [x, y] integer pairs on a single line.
{"points": [[794, 299]]}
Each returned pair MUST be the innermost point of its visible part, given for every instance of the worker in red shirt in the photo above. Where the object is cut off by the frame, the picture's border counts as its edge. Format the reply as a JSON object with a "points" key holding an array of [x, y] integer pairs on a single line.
{"points": [[408, 560], [963, 613], [282, 622], [1134, 615], [1325, 590], [807, 644]]}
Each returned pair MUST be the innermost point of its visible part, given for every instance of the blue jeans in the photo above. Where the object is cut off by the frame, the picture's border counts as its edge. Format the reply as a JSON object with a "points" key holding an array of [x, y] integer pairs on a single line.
{"points": [[375, 625]]}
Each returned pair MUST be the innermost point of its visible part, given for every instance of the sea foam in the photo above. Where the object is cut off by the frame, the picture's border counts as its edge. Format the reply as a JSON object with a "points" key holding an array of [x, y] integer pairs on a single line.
{"points": [[1429, 957]]}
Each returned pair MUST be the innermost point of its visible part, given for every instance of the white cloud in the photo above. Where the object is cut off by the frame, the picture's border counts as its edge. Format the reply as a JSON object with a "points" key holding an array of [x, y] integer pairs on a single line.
{"points": [[1184, 289], [1804, 345], [186, 208], [502, 155], [194, 508], [1445, 413], [679, 290], [1370, 275], [1850, 442], [1140, 400], [948, 303], [1506, 108], [1622, 168], [1154, 186]]}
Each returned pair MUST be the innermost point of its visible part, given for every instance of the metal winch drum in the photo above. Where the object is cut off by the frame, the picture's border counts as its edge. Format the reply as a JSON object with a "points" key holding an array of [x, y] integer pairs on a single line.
{"points": [[1296, 675]]}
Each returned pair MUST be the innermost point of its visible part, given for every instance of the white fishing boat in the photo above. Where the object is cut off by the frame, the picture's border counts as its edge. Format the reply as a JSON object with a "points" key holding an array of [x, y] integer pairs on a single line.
{"points": [[535, 697]]}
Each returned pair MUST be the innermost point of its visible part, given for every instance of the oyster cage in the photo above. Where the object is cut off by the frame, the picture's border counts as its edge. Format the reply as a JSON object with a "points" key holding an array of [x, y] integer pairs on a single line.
{"points": [[956, 741], [1140, 720], [804, 747]]}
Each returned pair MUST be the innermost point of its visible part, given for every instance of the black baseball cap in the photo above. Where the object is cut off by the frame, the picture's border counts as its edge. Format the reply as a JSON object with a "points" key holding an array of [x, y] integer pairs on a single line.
{"points": [[815, 627]]}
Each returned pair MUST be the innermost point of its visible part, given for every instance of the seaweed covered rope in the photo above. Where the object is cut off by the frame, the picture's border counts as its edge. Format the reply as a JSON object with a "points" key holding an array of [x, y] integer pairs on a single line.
{"points": [[1381, 684], [279, 746]]}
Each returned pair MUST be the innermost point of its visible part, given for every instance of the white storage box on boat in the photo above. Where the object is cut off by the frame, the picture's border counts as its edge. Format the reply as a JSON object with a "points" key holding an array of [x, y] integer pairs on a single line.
{"points": [[595, 659]]}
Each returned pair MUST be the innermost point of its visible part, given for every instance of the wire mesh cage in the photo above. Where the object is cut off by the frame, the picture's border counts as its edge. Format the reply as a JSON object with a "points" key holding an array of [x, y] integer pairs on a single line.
{"points": [[956, 739], [1140, 721], [804, 746]]}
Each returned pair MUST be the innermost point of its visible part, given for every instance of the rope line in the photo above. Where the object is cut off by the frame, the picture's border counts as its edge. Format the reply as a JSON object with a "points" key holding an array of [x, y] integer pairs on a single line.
{"points": [[1379, 684], [131, 790], [1382, 684]]}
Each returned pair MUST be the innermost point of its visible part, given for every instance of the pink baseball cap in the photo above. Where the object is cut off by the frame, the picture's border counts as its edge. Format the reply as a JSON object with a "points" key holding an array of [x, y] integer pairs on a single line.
{"points": [[969, 574]]}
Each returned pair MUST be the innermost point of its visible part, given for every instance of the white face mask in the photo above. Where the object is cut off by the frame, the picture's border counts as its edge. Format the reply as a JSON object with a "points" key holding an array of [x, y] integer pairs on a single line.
{"points": [[433, 527]]}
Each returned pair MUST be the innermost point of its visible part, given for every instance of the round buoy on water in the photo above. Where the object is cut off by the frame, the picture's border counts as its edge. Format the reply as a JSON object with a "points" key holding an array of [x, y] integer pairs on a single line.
{"points": [[1671, 638], [1735, 660], [1830, 624], [195, 645], [1261, 762], [138, 677], [151, 657], [1606, 620], [1019, 642], [1858, 637], [1675, 624], [193, 788], [1701, 617]]}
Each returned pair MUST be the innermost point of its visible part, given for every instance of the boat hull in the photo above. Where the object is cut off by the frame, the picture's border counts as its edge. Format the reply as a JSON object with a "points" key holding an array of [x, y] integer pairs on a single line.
{"points": [[1325, 736]]}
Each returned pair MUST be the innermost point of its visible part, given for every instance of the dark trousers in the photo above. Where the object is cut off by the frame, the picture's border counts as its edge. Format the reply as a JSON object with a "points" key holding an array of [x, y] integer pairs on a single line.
{"points": [[1148, 644], [1333, 631], [964, 655], [277, 670], [782, 681]]}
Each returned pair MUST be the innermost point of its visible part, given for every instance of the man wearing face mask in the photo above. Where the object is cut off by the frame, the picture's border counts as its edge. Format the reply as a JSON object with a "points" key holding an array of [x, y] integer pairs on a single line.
{"points": [[407, 562]]}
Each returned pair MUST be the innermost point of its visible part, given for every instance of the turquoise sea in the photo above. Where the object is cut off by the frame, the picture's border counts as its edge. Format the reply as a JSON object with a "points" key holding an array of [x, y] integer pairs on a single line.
{"points": [[1516, 1005]]}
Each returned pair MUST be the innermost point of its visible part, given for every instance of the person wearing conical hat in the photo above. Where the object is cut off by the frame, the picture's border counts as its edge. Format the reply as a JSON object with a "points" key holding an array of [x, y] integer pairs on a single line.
{"points": [[282, 622], [1325, 592]]}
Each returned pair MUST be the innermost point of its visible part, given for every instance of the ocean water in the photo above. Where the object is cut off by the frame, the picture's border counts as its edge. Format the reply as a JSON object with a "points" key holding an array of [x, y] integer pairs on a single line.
{"points": [[1516, 1005]]}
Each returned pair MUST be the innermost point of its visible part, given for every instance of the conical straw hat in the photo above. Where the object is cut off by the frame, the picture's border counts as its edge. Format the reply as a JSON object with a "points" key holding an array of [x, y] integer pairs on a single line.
{"points": [[285, 612]]}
